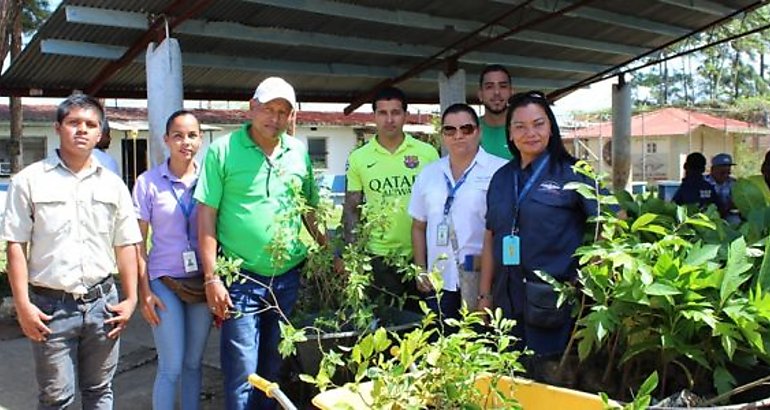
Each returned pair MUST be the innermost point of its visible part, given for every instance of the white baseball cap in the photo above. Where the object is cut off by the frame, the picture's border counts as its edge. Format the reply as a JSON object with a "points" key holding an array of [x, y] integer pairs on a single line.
{"points": [[272, 88]]}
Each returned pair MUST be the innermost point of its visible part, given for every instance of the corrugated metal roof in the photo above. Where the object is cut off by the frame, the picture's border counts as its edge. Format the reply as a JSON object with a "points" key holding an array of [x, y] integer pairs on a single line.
{"points": [[334, 50]]}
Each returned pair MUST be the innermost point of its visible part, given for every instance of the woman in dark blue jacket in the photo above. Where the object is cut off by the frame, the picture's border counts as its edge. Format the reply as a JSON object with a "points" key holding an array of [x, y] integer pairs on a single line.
{"points": [[533, 224]]}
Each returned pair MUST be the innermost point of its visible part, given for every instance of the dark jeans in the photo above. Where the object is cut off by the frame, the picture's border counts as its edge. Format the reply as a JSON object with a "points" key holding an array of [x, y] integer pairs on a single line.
{"points": [[76, 353], [250, 341], [389, 286]]}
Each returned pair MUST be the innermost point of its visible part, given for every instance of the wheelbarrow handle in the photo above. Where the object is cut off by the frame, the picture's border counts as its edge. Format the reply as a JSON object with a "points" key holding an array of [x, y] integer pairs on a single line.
{"points": [[271, 390], [263, 384]]}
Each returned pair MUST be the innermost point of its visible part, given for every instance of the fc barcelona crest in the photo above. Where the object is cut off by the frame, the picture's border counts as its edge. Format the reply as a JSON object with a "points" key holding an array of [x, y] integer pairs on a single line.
{"points": [[411, 161]]}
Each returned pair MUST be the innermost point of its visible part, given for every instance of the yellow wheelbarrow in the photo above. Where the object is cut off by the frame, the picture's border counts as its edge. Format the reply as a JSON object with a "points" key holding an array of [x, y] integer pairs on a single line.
{"points": [[530, 395]]}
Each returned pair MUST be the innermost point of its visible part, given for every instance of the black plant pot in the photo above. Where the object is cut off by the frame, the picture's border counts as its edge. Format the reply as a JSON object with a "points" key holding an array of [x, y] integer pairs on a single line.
{"points": [[309, 353]]}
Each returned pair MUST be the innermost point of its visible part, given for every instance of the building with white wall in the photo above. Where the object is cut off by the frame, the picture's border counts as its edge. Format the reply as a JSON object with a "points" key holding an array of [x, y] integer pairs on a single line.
{"points": [[330, 136]]}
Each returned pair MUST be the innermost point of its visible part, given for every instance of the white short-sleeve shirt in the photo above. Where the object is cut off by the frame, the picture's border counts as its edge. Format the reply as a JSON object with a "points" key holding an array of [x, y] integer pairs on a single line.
{"points": [[468, 211]]}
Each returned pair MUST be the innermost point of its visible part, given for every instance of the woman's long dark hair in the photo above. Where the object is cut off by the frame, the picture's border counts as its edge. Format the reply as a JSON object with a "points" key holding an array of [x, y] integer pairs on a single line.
{"points": [[555, 147]]}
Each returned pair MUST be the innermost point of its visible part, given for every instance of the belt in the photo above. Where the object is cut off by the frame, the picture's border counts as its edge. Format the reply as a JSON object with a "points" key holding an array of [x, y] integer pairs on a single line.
{"points": [[95, 292]]}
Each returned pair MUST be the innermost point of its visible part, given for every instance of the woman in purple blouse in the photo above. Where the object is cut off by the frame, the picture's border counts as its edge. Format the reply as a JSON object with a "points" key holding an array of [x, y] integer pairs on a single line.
{"points": [[163, 198]]}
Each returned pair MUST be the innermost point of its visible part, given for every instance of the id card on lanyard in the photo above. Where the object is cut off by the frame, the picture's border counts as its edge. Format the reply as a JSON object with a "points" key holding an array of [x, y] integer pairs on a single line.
{"points": [[442, 232], [512, 242], [189, 259]]}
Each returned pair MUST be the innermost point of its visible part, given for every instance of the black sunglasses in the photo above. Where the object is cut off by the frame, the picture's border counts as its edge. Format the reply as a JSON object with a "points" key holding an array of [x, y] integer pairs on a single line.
{"points": [[536, 95], [451, 130]]}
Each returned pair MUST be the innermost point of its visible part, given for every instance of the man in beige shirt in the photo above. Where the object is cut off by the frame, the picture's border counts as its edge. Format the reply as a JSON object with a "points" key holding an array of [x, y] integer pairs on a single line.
{"points": [[67, 221]]}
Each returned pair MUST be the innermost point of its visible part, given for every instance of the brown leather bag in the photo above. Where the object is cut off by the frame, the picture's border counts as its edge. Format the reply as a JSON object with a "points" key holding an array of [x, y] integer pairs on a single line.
{"points": [[190, 290]]}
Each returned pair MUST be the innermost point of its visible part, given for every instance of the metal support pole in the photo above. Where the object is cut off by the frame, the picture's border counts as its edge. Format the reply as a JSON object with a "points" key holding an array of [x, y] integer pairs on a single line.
{"points": [[621, 135]]}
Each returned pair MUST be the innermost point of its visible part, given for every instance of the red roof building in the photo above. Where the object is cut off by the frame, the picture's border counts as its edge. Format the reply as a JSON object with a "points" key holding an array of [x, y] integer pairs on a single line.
{"points": [[661, 139]]}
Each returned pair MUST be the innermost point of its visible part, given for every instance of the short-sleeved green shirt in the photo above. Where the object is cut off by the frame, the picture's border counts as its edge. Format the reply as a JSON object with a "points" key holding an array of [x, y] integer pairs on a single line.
{"points": [[381, 175], [493, 140], [252, 195]]}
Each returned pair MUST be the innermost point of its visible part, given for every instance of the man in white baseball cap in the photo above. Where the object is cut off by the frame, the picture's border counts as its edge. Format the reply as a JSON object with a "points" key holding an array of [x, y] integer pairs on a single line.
{"points": [[273, 88], [244, 193]]}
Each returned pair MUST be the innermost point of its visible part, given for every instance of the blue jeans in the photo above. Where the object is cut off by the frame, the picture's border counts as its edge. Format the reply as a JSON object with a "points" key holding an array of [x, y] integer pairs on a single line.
{"points": [[180, 340], [250, 340], [78, 346]]}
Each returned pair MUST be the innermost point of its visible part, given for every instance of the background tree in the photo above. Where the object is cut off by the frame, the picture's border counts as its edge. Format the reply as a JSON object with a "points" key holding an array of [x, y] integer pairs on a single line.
{"points": [[18, 17], [724, 73]]}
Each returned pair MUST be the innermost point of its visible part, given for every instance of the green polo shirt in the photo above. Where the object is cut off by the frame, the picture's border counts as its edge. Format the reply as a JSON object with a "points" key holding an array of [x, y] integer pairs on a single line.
{"points": [[252, 195], [493, 140], [380, 174]]}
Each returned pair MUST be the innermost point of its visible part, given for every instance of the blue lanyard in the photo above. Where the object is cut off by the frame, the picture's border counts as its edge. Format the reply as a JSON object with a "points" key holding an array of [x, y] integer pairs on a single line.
{"points": [[452, 190], [523, 194], [187, 210]]}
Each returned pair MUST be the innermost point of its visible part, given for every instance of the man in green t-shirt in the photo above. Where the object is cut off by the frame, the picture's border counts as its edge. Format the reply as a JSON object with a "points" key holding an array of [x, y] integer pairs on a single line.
{"points": [[251, 184], [381, 173], [495, 89]]}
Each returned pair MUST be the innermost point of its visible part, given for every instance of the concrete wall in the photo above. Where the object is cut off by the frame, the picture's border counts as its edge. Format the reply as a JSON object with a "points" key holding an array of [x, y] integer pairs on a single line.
{"points": [[340, 140]]}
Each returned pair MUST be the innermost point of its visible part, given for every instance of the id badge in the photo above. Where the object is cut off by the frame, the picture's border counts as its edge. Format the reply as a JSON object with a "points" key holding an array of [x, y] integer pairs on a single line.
{"points": [[189, 261], [442, 234], [511, 250]]}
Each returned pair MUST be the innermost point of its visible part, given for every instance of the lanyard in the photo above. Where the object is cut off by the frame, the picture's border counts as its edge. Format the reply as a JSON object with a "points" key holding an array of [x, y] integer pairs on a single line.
{"points": [[186, 210], [523, 194], [452, 190]]}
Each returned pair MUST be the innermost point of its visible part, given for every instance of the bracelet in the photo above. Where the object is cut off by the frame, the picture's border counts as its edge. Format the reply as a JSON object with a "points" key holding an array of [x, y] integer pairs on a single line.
{"points": [[484, 296], [210, 281]]}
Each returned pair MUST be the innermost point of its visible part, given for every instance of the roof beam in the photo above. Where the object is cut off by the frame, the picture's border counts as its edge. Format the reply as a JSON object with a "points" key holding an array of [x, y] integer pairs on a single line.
{"points": [[607, 17], [704, 6], [236, 31], [141, 43], [110, 52], [427, 21]]}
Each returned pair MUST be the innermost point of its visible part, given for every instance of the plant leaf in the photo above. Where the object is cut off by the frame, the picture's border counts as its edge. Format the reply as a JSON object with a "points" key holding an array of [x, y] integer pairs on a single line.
{"points": [[763, 276], [661, 289], [737, 264], [723, 380], [642, 221]]}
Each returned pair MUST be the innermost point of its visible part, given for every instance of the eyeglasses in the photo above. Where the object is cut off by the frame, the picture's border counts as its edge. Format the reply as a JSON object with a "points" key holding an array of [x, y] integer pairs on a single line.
{"points": [[529, 95], [451, 130]]}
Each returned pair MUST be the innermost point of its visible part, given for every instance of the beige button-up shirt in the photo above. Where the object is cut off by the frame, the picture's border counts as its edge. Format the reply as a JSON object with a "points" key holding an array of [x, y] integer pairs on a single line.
{"points": [[71, 221]]}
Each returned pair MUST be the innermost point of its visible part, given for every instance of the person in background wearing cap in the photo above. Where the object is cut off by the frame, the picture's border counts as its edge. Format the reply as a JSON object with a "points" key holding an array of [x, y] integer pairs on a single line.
{"points": [[719, 177], [246, 192], [694, 188]]}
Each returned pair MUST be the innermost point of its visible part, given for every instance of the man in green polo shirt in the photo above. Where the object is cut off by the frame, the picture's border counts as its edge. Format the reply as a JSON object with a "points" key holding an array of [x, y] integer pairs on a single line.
{"points": [[495, 89], [382, 173], [250, 187]]}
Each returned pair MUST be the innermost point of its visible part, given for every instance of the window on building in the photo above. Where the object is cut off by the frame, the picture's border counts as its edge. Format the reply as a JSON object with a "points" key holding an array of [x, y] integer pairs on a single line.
{"points": [[652, 148], [33, 149], [316, 148]]}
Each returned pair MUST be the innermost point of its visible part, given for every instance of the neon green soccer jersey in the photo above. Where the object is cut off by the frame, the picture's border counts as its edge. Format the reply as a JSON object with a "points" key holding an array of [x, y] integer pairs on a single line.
{"points": [[386, 179]]}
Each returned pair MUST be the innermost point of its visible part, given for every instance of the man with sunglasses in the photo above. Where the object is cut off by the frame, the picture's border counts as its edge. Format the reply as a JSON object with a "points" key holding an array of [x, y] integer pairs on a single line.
{"points": [[494, 91], [382, 173], [448, 210]]}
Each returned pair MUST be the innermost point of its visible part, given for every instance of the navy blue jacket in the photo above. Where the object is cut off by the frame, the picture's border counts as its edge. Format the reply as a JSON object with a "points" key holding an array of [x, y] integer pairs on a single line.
{"points": [[552, 223]]}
